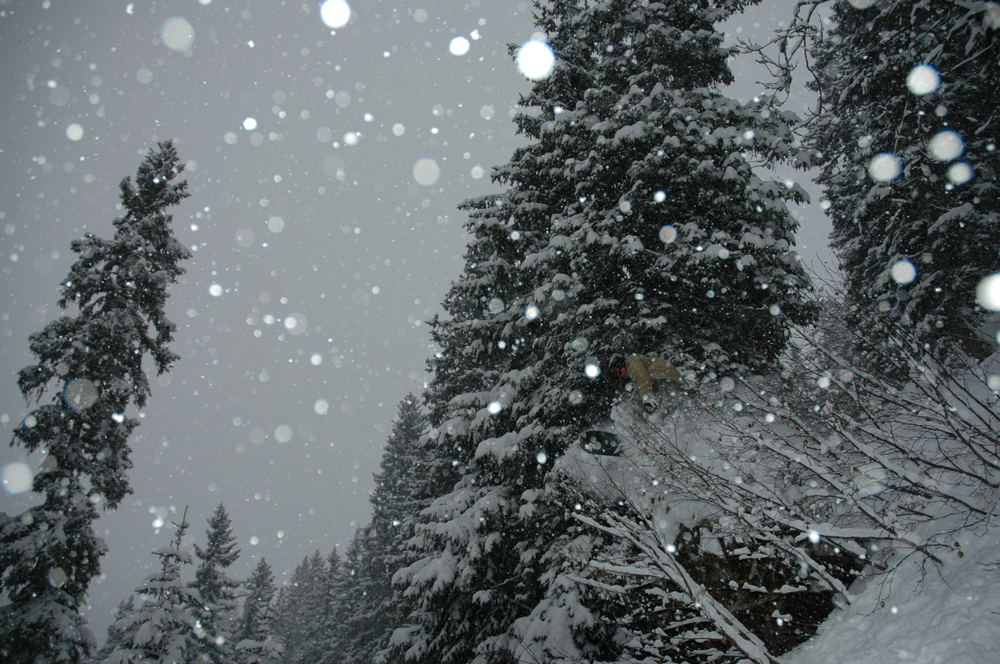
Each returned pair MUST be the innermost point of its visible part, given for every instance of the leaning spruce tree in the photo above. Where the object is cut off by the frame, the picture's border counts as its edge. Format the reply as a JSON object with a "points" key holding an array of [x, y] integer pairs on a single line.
{"points": [[905, 141], [91, 365], [632, 222]]}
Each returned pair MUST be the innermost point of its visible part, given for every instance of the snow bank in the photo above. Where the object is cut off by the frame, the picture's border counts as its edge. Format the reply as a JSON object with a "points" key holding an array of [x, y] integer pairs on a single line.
{"points": [[920, 613]]}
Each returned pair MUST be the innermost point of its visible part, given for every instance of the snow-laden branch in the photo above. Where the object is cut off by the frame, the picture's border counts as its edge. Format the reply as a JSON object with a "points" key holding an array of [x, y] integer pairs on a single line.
{"points": [[668, 568]]}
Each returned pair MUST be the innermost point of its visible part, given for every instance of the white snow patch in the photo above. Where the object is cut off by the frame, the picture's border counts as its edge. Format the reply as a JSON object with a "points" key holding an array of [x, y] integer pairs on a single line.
{"points": [[918, 612], [903, 272], [74, 132], [960, 172], [283, 433], [946, 145]]}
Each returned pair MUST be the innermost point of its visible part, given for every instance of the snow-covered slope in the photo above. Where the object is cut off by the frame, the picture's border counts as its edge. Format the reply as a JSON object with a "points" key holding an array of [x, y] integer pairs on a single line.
{"points": [[921, 613]]}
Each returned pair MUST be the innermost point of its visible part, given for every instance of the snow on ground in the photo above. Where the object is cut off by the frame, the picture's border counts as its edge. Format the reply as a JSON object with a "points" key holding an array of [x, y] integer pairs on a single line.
{"points": [[921, 613]]}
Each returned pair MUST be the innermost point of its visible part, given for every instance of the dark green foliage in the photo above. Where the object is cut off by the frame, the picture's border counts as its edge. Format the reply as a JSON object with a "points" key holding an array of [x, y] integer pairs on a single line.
{"points": [[401, 491], [345, 609], [90, 364], [762, 587], [257, 602], [948, 231], [631, 222]]}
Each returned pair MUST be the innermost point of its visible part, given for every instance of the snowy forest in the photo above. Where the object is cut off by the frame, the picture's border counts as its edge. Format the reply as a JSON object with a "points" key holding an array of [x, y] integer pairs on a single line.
{"points": [[648, 431]]}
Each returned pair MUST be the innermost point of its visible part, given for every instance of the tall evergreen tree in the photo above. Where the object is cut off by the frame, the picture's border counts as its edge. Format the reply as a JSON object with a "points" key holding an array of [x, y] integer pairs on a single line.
{"points": [[400, 491], [282, 625], [909, 163], [91, 365], [344, 602], [255, 642], [399, 495], [300, 609], [632, 222], [162, 630], [217, 616], [287, 608], [328, 639], [116, 633]]}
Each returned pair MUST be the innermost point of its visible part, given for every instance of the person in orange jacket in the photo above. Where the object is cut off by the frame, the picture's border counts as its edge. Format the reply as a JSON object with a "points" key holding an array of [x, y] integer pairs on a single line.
{"points": [[644, 370]]}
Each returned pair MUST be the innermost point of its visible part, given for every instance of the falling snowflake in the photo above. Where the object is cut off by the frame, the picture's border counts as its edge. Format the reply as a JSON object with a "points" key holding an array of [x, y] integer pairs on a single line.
{"points": [[923, 80], [177, 34], [885, 167], [459, 46], [335, 13], [535, 59]]}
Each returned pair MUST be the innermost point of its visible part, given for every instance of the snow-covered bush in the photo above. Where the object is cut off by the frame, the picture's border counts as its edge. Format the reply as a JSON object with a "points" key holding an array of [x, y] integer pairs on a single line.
{"points": [[812, 476]]}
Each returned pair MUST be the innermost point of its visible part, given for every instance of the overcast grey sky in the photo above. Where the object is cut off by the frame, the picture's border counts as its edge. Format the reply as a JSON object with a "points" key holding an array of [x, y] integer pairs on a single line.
{"points": [[318, 258]]}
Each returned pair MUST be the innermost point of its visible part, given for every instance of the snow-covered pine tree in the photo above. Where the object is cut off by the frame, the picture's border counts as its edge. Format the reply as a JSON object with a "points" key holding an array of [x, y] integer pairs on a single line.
{"points": [[675, 246], [399, 490], [327, 641], [491, 321], [91, 365], [115, 634], [909, 163], [217, 615], [255, 642], [162, 630], [286, 610], [343, 604], [300, 609], [632, 223], [485, 343], [398, 497], [281, 625]]}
